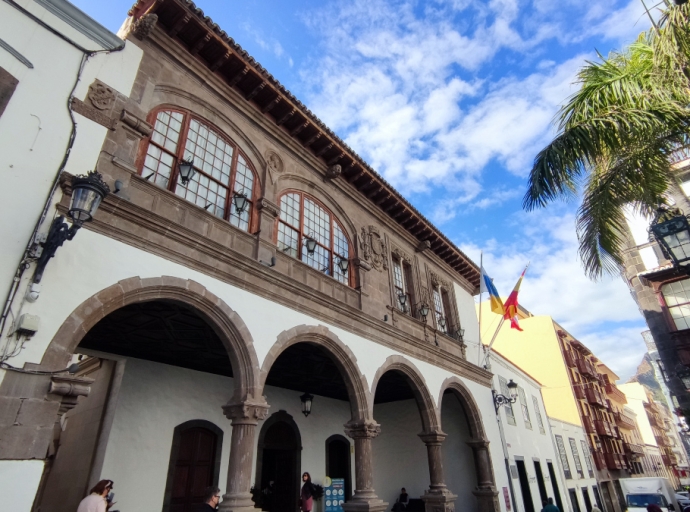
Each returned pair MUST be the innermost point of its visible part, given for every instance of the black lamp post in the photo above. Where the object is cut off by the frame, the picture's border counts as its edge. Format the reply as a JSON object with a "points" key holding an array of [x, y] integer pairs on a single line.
{"points": [[187, 171], [402, 299], [87, 193], [306, 403], [500, 399], [672, 231]]}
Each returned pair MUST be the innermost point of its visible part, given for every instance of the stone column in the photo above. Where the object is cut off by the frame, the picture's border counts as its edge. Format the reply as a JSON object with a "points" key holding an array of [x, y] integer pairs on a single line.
{"points": [[245, 416], [438, 498], [364, 499], [486, 493]]}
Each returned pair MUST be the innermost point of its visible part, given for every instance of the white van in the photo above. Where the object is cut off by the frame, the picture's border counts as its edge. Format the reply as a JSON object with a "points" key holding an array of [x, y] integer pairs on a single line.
{"points": [[640, 492]]}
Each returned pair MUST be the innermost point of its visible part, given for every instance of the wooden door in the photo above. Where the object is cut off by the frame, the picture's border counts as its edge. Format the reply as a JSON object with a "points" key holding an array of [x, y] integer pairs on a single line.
{"points": [[193, 469]]}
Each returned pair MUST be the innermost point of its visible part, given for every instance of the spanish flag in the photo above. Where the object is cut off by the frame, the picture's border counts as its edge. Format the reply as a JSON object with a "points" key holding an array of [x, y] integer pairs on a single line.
{"points": [[486, 284], [511, 305]]}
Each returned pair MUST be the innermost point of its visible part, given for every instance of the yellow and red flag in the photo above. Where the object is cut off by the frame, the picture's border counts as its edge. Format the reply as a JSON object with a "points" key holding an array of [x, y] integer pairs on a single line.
{"points": [[511, 304]]}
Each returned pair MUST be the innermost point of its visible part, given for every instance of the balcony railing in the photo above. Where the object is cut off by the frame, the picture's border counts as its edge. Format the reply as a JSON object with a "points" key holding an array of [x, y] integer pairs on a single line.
{"points": [[599, 460], [615, 393], [586, 368], [579, 391], [665, 459], [615, 461], [634, 449], [603, 428], [653, 420], [569, 358], [589, 425], [679, 155], [662, 441], [594, 397], [624, 421]]}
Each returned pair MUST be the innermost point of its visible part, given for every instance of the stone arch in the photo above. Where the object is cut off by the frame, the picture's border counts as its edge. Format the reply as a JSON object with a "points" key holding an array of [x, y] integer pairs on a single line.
{"points": [[168, 94], [465, 397], [227, 324], [344, 359], [417, 382]]}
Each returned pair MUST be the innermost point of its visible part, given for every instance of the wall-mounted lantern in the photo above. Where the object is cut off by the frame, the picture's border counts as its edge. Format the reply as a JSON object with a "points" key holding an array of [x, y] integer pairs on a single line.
{"points": [[241, 201], [500, 399], [306, 399], [672, 231], [87, 193], [187, 170], [311, 245], [343, 264]]}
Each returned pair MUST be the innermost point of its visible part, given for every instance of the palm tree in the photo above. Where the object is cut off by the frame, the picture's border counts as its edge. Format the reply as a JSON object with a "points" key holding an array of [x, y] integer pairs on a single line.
{"points": [[615, 136]]}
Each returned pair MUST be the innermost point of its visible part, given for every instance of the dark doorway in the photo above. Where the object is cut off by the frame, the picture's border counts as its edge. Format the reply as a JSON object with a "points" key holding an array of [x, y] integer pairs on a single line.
{"points": [[608, 504], [338, 461], [524, 486], [573, 500], [540, 481], [588, 501], [597, 498], [554, 484], [618, 490], [193, 468], [278, 463]]}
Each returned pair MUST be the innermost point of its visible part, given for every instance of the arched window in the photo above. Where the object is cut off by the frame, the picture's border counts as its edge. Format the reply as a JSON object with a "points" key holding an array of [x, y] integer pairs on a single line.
{"points": [[302, 218], [221, 171]]}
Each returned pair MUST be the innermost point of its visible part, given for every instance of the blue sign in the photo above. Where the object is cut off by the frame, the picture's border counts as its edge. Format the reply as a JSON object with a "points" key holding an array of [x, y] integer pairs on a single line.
{"points": [[334, 494]]}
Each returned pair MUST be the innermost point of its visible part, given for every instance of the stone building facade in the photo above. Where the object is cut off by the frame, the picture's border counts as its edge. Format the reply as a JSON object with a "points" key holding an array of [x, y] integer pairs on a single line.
{"points": [[201, 314]]}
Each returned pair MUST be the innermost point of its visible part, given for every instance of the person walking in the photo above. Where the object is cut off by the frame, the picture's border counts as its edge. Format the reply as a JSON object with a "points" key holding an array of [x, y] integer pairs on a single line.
{"points": [[550, 507], [96, 500], [306, 501]]}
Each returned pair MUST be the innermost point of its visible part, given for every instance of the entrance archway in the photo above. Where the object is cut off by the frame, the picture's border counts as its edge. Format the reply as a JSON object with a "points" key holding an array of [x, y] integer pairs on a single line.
{"points": [[279, 462], [338, 461]]}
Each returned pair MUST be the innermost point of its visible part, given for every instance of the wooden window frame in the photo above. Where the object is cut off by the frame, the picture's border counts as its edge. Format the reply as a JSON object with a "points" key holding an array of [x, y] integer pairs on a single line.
{"points": [[525, 409], [303, 235], [666, 308], [179, 153], [510, 416]]}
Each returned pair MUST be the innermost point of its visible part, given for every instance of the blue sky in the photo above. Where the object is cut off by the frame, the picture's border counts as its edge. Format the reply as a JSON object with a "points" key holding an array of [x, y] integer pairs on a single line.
{"points": [[450, 100]]}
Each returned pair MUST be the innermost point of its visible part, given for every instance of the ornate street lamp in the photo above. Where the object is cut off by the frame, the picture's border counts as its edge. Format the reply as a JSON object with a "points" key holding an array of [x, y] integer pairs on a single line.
{"points": [[424, 311], [442, 323], [460, 334], [306, 403], [672, 231], [187, 171], [311, 245], [343, 264], [87, 193], [402, 299], [500, 400], [240, 200]]}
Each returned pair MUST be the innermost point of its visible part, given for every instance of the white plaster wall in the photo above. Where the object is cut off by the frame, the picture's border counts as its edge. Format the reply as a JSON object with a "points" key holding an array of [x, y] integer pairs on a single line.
{"points": [[400, 458], [35, 126], [636, 396], [468, 320], [458, 460], [568, 430], [18, 483], [639, 227]]}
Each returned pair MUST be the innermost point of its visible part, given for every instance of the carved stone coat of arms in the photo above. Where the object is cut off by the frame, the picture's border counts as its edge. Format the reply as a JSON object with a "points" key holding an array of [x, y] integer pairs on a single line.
{"points": [[373, 248]]}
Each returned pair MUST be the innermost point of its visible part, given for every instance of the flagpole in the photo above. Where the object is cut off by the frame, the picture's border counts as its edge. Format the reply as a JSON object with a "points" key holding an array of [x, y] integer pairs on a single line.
{"points": [[480, 346], [488, 350]]}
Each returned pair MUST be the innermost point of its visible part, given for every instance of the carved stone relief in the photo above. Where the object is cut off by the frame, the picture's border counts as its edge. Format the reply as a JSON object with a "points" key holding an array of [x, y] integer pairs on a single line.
{"points": [[144, 25], [401, 255], [437, 280], [333, 172], [274, 162], [101, 96], [373, 248]]}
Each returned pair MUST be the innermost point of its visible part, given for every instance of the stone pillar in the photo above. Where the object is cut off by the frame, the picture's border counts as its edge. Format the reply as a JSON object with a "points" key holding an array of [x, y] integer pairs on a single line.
{"points": [[364, 498], [486, 493], [245, 416], [438, 498]]}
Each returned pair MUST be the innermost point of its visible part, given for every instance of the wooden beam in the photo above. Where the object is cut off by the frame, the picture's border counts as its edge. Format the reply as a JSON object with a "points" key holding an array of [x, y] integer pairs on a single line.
{"points": [[336, 159], [383, 199], [312, 139], [203, 41], [256, 90], [238, 76], [299, 128], [220, 61], [179, 24], [321, 151], [271, 104], [286, 116]]}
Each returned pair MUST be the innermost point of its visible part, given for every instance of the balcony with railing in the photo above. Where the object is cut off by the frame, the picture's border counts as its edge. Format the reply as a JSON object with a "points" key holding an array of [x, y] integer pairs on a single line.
{"points": [[653, 420], [624, 421], [589, 425], [594, 397], [661, 441], [599, 460], [633, 449], [569, 358], [603, 428], [615, 393], [586, 368], [615, 461], [579, 391]]}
